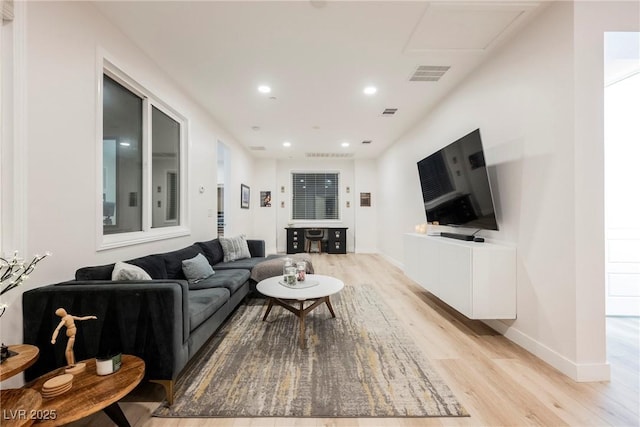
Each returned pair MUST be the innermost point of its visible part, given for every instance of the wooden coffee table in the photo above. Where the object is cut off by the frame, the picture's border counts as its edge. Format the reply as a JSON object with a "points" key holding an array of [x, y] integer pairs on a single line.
{"points": [[89, 393], [280, 295]]}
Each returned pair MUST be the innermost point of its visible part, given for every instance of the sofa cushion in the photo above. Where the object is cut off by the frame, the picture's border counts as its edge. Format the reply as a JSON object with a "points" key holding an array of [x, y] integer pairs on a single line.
{"points": [[212, 249], [203, 303], [173, 260], [124, 271], [197, 268], [152, 264], [247, 264], [229, 279], [235, 248], [98, 272]]}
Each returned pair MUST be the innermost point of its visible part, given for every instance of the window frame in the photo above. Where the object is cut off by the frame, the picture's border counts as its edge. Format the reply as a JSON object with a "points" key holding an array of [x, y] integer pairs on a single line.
{"points": [[106, 66], [338, 204]]}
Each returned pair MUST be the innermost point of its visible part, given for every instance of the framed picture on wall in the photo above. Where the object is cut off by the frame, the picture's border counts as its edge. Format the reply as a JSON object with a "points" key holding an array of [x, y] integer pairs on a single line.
{"points": [[365, 199], [265, 199], [245, 196]]}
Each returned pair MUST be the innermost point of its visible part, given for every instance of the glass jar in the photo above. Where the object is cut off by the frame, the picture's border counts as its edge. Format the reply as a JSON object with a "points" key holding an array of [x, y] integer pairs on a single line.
{"points": [[301, 267], [290, 275], [287, 262]]}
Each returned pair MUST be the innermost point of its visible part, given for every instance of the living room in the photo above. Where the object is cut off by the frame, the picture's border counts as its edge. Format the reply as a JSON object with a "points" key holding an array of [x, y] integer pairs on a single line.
{"points": [[537, 98]]}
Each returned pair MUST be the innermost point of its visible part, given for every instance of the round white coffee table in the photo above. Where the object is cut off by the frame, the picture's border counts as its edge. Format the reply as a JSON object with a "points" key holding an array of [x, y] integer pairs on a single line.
{"points": [[318, 293]]}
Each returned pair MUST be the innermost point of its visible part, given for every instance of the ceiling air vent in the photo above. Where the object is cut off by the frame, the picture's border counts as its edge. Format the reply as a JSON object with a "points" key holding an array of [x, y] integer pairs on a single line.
{"points": [[366, 141], [257, 148], [329, 155], [389, 111], [428, 73]]}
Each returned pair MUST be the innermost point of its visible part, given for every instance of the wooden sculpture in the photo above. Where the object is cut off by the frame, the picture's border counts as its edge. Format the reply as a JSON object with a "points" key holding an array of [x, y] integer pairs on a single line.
{"points": [[68, 321]]}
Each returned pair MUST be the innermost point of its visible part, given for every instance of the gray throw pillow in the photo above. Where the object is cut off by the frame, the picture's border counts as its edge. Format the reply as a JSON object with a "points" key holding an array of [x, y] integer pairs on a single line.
{"points": [[235, 248], [197, 268], [124, 271]]}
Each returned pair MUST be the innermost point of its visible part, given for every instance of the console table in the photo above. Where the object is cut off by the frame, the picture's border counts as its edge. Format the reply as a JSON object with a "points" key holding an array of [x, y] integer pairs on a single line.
{"points": [[477, 279], [335, 239]]}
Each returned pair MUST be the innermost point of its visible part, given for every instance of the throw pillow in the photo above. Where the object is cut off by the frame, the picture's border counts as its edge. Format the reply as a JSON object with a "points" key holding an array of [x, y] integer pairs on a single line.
{"points": [[124, 271], [235, 248], [197, 268]]}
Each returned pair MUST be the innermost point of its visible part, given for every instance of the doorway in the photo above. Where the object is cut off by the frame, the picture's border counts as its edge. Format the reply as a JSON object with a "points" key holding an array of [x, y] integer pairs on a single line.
{"points": [[622, 174], [223, 156]]}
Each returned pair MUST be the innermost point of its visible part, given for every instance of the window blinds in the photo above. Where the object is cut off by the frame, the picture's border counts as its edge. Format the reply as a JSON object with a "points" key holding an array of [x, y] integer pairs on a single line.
{"points": [[315, 196]]}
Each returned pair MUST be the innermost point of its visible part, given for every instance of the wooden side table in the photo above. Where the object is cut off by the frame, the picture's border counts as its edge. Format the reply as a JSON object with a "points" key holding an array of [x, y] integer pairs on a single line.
{"points": [[19, 406], [27, 356], [90, 393]]}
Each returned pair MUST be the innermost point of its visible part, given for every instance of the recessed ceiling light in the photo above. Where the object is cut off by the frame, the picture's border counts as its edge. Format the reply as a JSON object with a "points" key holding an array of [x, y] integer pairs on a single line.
{"points": [[286, 144], [264, 89], [370, 90], [345, 144]]}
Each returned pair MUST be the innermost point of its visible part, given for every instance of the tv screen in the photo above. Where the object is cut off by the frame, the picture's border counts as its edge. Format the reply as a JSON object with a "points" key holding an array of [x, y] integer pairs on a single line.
{"points": [[455, 185]]}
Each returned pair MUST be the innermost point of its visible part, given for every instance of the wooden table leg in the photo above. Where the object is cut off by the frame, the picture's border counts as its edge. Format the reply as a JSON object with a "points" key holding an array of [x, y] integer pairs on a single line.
{"points": [[268, 309], [326, 299]]}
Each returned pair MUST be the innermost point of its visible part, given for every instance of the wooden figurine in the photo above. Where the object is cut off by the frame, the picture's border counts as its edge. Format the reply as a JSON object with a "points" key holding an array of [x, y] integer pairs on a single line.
{"points": [[68, 321]]}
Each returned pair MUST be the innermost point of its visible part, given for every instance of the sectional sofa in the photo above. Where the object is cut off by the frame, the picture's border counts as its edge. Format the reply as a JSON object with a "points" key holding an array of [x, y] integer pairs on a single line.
{"points": [[164, 320]]}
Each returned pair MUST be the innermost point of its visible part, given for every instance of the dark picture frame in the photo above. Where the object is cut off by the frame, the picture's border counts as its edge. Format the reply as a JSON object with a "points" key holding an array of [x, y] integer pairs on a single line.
{"points": [[245, 196], [265, 199], [365, 200]]}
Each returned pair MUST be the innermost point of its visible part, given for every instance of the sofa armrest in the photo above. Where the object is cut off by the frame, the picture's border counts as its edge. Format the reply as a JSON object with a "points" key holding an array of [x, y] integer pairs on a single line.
{"points": [[148, 319], [256, 248]]}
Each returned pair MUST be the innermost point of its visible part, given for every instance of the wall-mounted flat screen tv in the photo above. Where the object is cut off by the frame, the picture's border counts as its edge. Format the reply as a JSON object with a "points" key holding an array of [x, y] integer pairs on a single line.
{"points": [[455, 185]]}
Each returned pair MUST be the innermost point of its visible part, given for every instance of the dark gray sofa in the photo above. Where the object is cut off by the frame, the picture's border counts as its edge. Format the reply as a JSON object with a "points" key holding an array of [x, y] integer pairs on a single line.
{"points": [[164, 321]]}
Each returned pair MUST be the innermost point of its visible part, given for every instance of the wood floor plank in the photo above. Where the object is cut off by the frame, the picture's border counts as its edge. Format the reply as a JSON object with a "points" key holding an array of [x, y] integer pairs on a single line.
{"points": [[498, 382]]}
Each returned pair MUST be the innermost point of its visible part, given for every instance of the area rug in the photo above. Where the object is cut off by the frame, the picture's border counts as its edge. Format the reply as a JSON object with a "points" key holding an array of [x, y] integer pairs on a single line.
{"points": [[360, 364]]}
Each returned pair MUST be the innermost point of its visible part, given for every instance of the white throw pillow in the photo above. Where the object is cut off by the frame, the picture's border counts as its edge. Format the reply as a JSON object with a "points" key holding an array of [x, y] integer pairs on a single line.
{"points": [[235, 248], [124, 271]]}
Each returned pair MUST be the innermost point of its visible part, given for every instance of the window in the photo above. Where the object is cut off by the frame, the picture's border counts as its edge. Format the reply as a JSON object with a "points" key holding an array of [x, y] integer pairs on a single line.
{"points": [[121, 159], [142, 190], [315, 196]]}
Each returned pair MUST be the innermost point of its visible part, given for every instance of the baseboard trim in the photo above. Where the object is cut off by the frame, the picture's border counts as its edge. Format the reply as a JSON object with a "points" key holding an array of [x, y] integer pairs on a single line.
{"points": [[393, 261], [580, 372]]}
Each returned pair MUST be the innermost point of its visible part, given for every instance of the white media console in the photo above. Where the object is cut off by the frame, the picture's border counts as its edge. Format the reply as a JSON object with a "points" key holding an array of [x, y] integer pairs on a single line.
{"points": [[477, 279]]}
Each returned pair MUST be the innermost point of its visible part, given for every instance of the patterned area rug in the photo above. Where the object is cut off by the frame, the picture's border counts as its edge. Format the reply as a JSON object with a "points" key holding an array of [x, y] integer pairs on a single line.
{"points": [[360, 364]]}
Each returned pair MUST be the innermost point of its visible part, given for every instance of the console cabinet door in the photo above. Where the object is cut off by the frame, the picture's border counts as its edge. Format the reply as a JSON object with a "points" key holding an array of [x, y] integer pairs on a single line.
{"points": [[295, 240], [422, 262], [455, 277], [337, 240]]}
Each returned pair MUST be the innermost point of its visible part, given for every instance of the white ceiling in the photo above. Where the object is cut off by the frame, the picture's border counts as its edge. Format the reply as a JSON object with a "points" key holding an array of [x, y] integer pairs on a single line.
{"points": [[317, 56]]}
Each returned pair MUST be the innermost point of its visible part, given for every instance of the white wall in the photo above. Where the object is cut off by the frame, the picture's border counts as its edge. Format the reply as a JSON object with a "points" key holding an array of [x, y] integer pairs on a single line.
{"points": [[366, 218], [265, 218], [523, 101], [591, 20], [60, 94]]}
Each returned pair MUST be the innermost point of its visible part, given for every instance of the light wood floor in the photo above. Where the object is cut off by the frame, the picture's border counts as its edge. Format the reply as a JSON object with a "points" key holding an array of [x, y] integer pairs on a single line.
{"points": [[498, 383]]}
